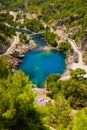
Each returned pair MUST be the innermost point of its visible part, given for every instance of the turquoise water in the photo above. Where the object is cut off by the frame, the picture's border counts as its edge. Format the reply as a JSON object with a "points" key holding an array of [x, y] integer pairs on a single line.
{"points": [[38, 63]]}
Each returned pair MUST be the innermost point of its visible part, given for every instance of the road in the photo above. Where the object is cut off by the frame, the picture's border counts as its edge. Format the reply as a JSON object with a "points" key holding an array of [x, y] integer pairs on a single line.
{"points": [[80, 63], [75, 48], [72, 43]]}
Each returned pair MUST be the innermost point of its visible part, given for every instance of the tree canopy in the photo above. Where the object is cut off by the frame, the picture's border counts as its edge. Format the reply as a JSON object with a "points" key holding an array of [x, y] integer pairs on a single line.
{"points": [[50, 38], [34, 25], [18, 109], [73, 89], [64, 47], [80, 120]]}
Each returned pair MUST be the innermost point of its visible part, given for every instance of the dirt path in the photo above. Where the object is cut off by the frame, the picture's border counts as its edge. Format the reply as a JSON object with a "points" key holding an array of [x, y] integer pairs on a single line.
{"points": [[14, 14], [80, 63], [75, 48], [72, 43]]}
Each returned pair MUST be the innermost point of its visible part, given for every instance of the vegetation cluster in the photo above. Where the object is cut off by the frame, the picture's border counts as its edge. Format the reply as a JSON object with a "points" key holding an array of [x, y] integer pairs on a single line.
{"points": [[33, 25], [18, 109], [67, 13], [50, 37]]}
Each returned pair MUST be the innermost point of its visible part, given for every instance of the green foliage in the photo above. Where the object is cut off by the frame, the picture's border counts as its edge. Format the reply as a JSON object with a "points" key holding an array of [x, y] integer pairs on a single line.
{"points": [[6, 17], [50, 38], [18, 109], [8, 31], [17, 97], [32, 9], [52, 84], [73, 89], [72, 36], [4, 69], [52, 78], [19, 16], [62, 111], [64, 46], [77, 36], [4, 43], [80, 120], [13, 5], [71, 12], [78, 73], [19, 4], [58, 113], [22, 37], [38, 2], [34, 25], [1, 7]]}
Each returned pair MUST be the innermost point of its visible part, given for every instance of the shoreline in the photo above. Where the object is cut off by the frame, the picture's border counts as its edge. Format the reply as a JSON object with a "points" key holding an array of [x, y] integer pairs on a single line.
{"points": [[17, 50], [17, 60], [41, 98]]}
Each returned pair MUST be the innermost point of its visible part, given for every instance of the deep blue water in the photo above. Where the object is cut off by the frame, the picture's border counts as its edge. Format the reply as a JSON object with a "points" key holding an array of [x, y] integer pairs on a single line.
{"points": [[38, 40], [38, 64]]}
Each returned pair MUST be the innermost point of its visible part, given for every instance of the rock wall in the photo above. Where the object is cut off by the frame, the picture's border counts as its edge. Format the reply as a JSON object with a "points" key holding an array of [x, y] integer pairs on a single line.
{"points": [[84, 40], [4, 45]]}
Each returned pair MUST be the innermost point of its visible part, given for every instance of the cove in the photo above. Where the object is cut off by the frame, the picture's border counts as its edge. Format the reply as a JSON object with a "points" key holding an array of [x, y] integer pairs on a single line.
{"points": [[39, 63]]}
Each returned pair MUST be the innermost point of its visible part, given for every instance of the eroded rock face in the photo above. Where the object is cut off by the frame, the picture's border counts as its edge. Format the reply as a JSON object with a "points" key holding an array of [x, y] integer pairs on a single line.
{"points": [[22, 48], [3, 48], [73, 30], [18, 51], [84, 46], [66, 20], [11, 61], [4, 45], [85, 59], [14, 62], [84, 40]]}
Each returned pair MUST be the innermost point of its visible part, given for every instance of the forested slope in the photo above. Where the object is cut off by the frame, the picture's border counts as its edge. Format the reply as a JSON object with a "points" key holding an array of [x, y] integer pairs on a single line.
{"points": [[19, 111], [69, 13], [75, 11]]}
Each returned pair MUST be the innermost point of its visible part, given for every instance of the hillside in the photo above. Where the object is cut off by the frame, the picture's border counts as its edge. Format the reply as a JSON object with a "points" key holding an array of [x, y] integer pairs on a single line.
{"points": [[62, 103], [71, 12], [19, 109], [58, 13]]}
